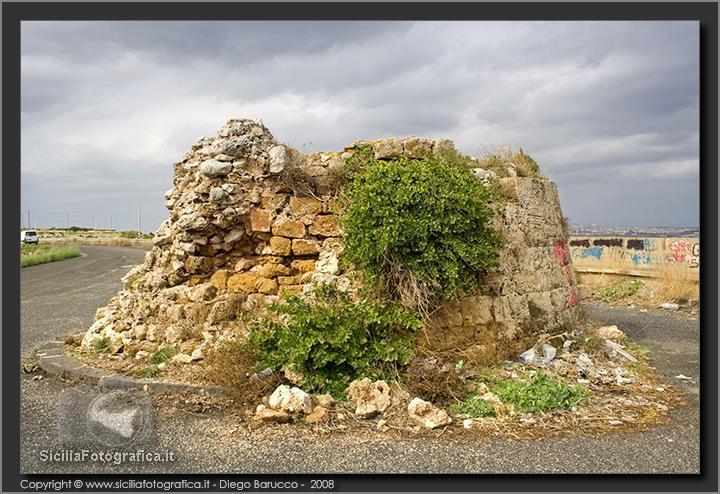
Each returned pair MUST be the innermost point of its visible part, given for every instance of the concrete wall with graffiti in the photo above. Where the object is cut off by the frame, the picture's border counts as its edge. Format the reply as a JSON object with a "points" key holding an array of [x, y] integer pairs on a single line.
{"points": [[633, 256]]}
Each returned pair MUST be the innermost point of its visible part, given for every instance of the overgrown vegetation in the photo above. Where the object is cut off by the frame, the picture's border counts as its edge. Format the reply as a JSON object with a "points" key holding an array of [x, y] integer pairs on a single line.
{"points": [[232, 364], [621, 289], [418, 229], [473, 406], [162, 355], [102, 344], [31, 255], [541, 394], [148, 372], [135, 234], [335, 340], [499, 160]]}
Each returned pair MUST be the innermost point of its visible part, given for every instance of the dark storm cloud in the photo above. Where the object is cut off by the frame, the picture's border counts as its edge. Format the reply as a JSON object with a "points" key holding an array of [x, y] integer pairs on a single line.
{"points": [[609, 109]]}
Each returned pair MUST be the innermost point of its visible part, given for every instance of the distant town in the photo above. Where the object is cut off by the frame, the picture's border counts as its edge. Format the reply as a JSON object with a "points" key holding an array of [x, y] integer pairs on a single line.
{"points": [[633, 231]]}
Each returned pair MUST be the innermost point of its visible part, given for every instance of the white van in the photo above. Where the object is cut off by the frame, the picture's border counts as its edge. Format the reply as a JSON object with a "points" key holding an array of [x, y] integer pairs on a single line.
{"points": [[29, 237]]}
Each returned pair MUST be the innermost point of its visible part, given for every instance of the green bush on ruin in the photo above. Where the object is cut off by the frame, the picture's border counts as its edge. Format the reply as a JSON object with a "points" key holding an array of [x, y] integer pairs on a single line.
{"points": [[334, 340], [419, 228]]}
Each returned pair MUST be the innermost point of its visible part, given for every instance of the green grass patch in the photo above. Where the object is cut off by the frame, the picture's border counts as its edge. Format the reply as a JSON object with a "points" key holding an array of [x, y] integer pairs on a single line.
{"points": [[101, 345], [636, 349], [29, 367], [162, 355], [148, 372], [541, 394], [335, 340], [473, 406], [31, 255], [620, 290]]}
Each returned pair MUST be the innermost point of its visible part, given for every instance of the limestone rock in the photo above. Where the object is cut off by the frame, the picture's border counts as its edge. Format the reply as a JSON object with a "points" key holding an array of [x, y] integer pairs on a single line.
{"points": [[427, 414], [278, 158], [327, 263], [320, 414], [610, 332], [214, 168], [269, 415], [371, 398], [290, 400]]}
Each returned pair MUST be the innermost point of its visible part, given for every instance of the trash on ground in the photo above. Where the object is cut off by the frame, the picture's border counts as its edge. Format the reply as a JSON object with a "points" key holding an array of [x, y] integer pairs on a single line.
{"points": [[670, 306]]}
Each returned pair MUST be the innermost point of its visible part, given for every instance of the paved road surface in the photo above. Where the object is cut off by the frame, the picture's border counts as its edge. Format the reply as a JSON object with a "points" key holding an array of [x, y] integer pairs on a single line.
{"points": [[62, 296]]}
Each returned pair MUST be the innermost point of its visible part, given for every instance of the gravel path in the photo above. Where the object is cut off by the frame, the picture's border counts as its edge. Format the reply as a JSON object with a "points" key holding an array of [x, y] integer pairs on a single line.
{"points": [[63, 296]]}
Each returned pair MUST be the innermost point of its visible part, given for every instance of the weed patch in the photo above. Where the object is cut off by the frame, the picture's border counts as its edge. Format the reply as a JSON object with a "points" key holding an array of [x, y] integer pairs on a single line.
{"points": [[541, 394], [31, 255], [621, 290], [162, 355], [474, 407], [335, 340], [101, 345], [148, 372]]}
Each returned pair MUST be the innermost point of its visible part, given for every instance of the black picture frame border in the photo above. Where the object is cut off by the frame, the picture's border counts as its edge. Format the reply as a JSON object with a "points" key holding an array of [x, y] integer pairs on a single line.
{"points": [[706, 13]]}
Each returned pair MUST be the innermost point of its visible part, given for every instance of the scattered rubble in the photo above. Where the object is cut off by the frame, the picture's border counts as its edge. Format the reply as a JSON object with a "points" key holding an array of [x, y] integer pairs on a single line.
{"points": [[290, 400], [427, 414]]}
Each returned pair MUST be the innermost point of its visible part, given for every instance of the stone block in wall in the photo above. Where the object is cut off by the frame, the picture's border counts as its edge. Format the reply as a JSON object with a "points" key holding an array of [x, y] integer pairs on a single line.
{"points": [[219, 279], [291, 289], [415, 147], [273, 201], [242, 282], [300, 266], [476, 310], [268, 286], [290, 280], [289, 228], [540, 305], [302, 247], [448, 315], [305, 205], [260, 220], [280, 246], [270, 270], [325, 225], [198, 264], [387, 149]]}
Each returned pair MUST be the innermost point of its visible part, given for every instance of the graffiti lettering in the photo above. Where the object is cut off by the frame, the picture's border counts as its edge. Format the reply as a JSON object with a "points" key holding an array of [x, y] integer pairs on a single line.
{"points": [[641, 259], [608, 242], [595, 252], [635, 244], [560, 249], [580, 243]]}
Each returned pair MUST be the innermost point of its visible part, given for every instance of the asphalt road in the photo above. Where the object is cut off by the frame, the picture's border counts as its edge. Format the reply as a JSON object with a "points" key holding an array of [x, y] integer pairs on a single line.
{"points": [[60, 297]]}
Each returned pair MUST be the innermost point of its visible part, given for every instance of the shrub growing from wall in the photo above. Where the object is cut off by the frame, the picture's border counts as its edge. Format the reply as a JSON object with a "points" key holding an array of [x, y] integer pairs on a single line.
{"points": [[419, 228]]}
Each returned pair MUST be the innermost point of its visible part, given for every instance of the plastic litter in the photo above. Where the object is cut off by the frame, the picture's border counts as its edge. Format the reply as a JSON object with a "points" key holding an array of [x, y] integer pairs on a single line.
{"points": [[615, 348], [530, 357], [670, 306]]}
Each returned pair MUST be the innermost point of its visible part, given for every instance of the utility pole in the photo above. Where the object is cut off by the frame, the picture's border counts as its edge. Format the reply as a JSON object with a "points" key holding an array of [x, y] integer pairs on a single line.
{"points": [[109, 216], [28, 223], [67, 219], [94, 223], [140, 218]]}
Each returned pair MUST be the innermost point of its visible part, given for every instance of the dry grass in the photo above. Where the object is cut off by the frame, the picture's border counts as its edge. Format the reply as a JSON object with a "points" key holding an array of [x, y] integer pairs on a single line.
{"points": [[231, 365], [499, 158], [674, 284]]}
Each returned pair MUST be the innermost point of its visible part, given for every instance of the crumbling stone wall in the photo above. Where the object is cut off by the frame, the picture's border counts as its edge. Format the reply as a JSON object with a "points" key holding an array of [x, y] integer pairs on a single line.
{"points": [[251, 219]]}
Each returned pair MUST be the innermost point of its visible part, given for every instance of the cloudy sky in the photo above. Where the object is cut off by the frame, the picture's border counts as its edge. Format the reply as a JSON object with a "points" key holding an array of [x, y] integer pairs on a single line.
{"points": [[609, 109]]}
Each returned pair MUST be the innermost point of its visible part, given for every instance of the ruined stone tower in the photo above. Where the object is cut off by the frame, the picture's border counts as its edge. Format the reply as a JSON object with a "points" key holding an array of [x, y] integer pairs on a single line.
{"points": [[251, 219]]}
